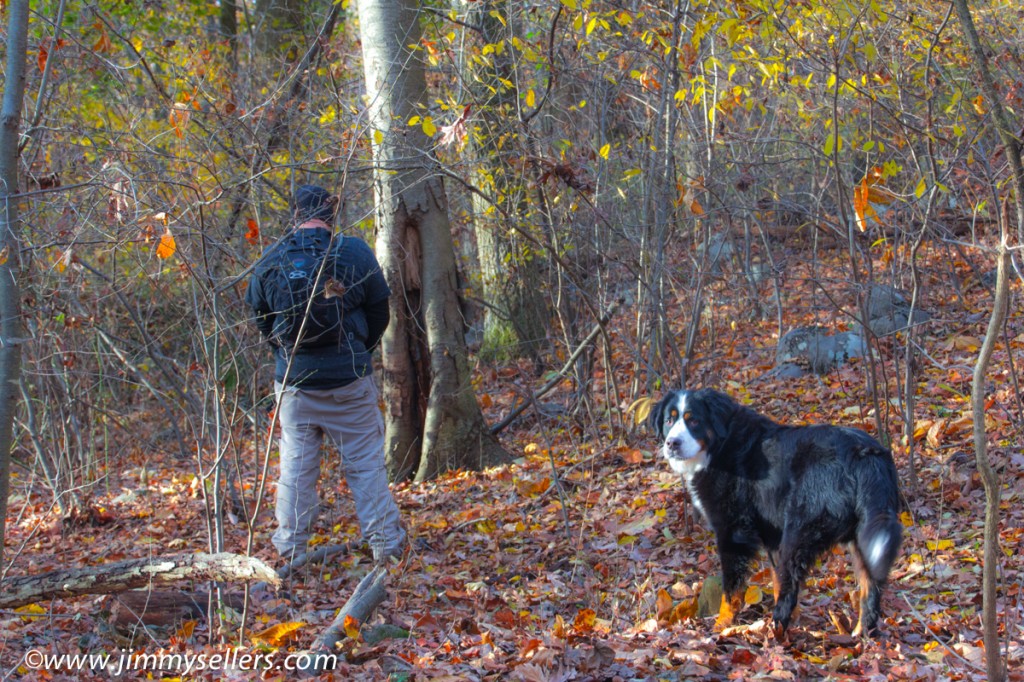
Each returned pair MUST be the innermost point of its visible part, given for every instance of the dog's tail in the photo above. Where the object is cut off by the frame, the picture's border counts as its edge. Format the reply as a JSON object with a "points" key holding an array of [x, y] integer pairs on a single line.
{"points": [[879, 531]]}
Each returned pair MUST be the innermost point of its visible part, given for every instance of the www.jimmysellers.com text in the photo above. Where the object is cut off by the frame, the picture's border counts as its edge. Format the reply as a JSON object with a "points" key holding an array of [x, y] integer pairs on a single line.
{"points": [[127, 660]]}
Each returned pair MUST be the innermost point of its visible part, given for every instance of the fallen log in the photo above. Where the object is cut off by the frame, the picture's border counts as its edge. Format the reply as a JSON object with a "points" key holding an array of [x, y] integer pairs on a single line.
{"points": [[368, 595], [133, 573], [320, 554], [163, 608]]}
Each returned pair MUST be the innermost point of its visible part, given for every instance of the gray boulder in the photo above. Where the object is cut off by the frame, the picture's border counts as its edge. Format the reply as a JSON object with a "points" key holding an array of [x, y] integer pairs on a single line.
{"points": [[815, 349], [717, 252], [889, 311]]}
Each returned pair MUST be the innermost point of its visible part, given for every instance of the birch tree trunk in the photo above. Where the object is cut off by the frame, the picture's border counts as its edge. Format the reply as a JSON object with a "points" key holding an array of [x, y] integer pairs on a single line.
{"points": [[434, 423], [10, 242]]}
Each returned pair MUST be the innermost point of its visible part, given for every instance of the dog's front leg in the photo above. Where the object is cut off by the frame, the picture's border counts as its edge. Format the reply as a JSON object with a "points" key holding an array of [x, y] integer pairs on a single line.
{"points": [[735, 566]]}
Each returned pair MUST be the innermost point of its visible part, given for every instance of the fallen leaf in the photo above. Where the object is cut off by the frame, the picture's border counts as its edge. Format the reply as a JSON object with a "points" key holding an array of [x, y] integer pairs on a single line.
{"points": [[351, 627], [278, 635], [585, 620]]}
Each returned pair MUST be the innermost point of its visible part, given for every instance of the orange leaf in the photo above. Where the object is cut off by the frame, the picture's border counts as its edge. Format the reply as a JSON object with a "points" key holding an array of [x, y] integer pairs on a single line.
{"points": [[65, 260], [44, 54], [663, 605], [685, 610], [688, 195], [102, 43], [585, 620], [559, 629], [47, 48], [935, 434], [530, 488], [278, 635], [253, 235], [179, 117], [880, 195], [186, 629], [863, 196], [633, 457], [166, 248], [351, 626], [506, 618]]}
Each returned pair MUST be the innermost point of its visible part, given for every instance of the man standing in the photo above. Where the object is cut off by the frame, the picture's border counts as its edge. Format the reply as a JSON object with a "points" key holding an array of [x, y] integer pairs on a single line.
{"points": [[321, 301]]}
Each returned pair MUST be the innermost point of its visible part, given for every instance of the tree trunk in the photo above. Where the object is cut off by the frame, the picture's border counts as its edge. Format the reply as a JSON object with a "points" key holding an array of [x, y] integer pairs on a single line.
{"points": [[131, 574], [433, 421], [515, 318], [659, 210], [994, 666], [10, 243], [228, 25], [163, 608], [279, 27]]}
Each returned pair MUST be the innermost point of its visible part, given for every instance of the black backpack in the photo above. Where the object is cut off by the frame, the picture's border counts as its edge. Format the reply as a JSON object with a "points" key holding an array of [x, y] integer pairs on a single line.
{"points": [[303, 290]]}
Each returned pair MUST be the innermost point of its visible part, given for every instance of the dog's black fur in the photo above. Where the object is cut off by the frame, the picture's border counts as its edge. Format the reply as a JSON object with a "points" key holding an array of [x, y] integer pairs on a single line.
{"points": [[794, 490]]}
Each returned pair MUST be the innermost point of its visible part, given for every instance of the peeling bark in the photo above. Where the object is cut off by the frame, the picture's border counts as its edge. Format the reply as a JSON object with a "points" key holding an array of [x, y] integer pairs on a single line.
{"points": [[434, 423], [131, 574]]}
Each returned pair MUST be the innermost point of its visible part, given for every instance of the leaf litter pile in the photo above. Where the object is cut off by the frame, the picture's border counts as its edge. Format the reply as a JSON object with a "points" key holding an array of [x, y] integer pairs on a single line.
{"points": [[584, 559]]}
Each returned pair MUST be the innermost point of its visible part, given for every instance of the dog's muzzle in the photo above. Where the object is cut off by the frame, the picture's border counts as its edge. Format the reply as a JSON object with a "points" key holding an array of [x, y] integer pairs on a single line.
{"points": [[674, 449]]}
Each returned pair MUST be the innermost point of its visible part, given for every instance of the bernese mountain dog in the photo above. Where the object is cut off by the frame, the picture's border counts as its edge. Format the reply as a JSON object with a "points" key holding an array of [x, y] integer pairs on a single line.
{"points": [[794, 490]]}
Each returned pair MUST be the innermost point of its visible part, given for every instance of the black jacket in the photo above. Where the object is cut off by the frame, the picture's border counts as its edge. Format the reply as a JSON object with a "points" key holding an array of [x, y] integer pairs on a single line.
{"points": [[365, 311]]}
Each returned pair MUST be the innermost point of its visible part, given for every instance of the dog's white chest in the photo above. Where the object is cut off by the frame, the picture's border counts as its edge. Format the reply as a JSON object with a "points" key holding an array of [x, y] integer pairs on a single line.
{"points": [[695, 497]]}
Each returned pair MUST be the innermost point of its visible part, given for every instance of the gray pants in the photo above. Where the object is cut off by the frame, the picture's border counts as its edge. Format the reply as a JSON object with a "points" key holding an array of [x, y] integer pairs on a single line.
{"points": [[351, 419]]}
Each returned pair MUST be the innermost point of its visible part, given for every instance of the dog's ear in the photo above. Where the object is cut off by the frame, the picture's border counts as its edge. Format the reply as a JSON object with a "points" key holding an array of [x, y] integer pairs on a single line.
{"points": [[657, 415], [721, 409]]}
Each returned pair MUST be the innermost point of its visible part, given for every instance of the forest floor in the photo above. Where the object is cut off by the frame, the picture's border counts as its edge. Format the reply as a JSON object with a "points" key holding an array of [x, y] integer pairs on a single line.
{"points": [[583, 560]]}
